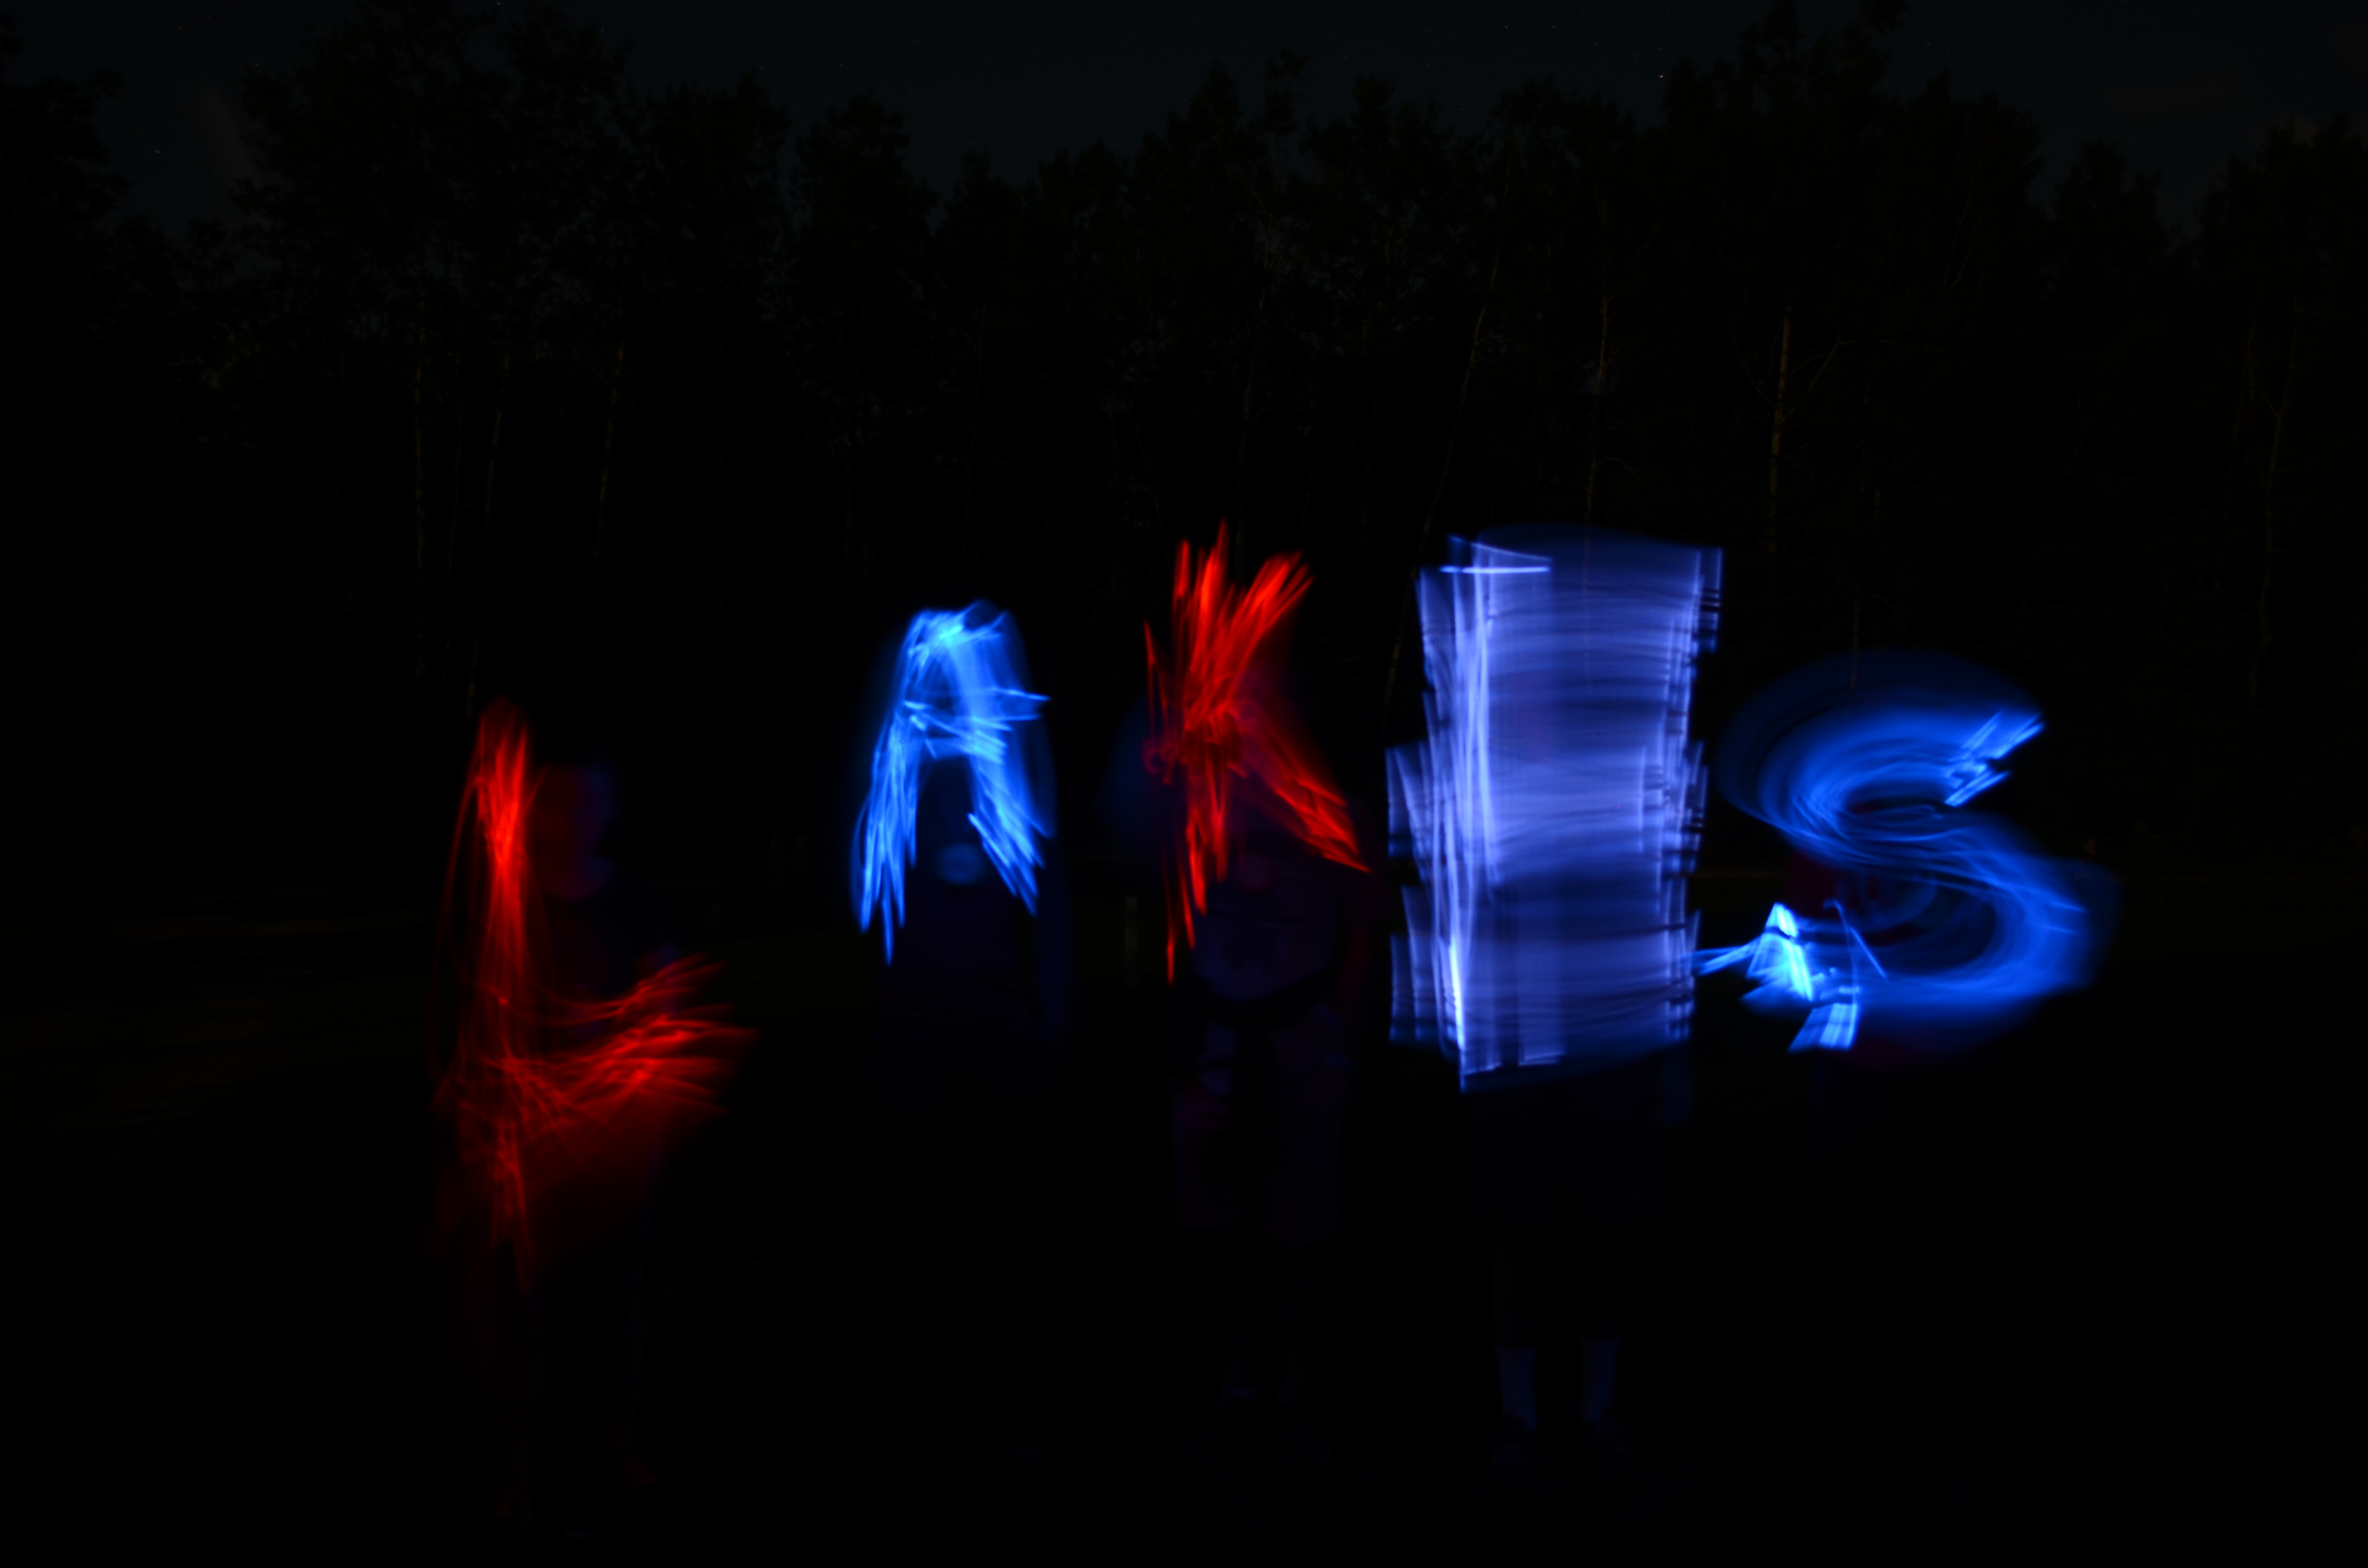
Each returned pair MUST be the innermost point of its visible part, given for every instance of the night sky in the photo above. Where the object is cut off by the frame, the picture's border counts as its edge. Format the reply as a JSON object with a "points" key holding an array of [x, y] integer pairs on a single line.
{"points": [[2179, 83]]}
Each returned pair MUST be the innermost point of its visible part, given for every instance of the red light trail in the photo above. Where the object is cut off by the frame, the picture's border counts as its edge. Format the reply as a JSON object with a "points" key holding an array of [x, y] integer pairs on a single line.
{"points": [[559, 1106], [1219, 715]]}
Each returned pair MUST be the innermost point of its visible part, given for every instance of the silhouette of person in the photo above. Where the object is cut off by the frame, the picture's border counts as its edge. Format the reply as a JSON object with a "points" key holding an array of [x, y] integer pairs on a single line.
{"points": [[1262, 1016], [1547, 810], [967, 1044], [1273, 908], [1899, 1129], [604, 930], [1565, 1175]]}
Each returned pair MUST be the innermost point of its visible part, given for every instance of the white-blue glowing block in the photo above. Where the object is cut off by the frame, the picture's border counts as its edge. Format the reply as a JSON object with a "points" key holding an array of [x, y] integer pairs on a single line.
{"points": [[959, 692], [1973, 768], [1554, 806], [1777, 959], [1798, 966], [1832, 1026]]}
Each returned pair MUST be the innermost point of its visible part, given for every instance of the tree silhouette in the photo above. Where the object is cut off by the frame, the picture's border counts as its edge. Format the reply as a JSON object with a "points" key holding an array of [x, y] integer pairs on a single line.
{"points": [[514, 377]]}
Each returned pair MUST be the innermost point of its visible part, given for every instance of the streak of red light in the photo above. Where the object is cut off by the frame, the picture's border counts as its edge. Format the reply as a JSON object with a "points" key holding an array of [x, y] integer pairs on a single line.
{"points": [[1218, 715], [558, 1106]]}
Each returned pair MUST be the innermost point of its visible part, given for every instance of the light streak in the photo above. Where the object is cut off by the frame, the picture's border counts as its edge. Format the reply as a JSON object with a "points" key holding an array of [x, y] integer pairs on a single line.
{"points": [[1553, 808], [960, 691], [1947, 926], [1219, 719], [558, 1105]]}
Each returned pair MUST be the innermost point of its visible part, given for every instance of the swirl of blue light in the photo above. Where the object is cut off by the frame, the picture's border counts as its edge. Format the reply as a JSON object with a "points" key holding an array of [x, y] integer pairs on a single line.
{"points": [[1553, 810], [1948, 925], [959, 692]]}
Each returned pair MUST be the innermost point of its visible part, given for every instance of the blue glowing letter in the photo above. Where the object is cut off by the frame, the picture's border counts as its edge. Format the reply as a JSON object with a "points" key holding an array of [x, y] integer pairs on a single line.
{"points": [[1555, 807], [958, 693], [1945, 925]]}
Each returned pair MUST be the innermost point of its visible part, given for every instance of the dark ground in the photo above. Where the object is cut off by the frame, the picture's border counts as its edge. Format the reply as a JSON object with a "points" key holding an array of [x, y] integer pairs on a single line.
{"points": [[216, 1142]]}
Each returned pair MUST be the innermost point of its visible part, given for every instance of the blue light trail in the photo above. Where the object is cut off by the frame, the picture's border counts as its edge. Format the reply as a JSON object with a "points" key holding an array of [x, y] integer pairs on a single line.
{"points": [[1945, 925], [959, 692]]}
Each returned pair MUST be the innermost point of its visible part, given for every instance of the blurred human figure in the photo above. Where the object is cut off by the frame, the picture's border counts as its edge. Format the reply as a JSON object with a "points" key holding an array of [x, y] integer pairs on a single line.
{"points": [[1565, 1175], [1263, 1016], [1551, 811], [567, 1064], [970, 1024], [1273, 909], [1917, 932], [1906, 1142]]}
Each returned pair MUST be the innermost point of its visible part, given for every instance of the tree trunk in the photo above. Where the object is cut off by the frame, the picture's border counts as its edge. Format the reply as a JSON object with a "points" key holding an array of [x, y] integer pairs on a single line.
{"points": [[2270, 513], [452, 542], [1446, 462], [486, 540], [1857, 590], [600, 496], [1241, 530], [969, 458], [1776, 431], [419, 496], [1595, 421], [1150, 474]]}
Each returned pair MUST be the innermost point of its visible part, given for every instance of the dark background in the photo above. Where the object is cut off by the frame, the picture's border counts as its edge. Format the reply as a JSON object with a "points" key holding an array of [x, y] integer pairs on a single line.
{"points": [[505, 366], [456, 352], [2182, 88]]}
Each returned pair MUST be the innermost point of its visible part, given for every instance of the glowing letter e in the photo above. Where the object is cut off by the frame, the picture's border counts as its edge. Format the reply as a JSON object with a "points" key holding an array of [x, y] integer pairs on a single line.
{"points": [[1553, 809]]}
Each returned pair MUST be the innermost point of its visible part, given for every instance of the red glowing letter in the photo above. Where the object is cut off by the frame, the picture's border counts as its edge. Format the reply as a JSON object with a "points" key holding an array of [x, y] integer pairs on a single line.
{"points": [[558, 1106], [1218, 713]]}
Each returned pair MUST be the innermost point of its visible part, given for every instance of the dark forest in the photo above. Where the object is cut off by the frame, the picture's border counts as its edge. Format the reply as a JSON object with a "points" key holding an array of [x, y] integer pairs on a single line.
{"points": [[660, 414], [662, 408]]}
